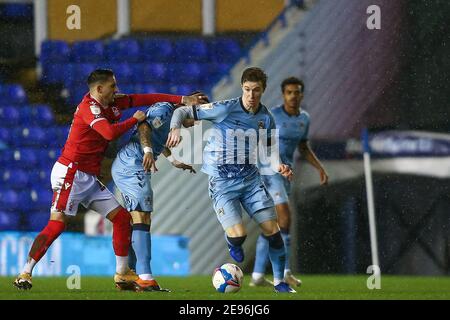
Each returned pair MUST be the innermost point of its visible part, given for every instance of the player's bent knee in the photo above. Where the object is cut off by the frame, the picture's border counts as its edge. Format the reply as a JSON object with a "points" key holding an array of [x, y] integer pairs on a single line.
{"points": [[141, 217], [112, 214], [57, 216], [275, 240]]}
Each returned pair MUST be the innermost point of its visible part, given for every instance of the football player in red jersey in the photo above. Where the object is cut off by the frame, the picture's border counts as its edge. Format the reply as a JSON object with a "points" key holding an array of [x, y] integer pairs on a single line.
{"points": [[74, 175]]}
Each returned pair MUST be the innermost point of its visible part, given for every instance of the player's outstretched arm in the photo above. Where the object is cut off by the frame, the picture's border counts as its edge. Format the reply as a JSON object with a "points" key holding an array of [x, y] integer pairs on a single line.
{"points": [[125, 101], [310, 156], [113, 131], [144, 133]]}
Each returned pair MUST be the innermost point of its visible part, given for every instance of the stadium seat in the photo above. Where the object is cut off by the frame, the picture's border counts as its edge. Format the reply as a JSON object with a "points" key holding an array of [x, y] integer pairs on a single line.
{"points": [[157, 50], [9, 200], [53, 51], [9, 116], [183, 89], [191, 49], [123, 73], [40, 178], [14, 178], [29, 136], [87, 51], [47, 157], [13, 94], [9, 221], [225, 50], [82, 71], [5, 135], [123, 50], [54, 73], [37, 114], [36, 220], [41, 198], [187, 72], [24, 158]]}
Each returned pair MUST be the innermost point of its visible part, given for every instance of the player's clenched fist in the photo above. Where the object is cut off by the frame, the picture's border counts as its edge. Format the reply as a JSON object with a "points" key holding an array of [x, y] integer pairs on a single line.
{"points": [[285, 171], [174, 138], [139, 115]]}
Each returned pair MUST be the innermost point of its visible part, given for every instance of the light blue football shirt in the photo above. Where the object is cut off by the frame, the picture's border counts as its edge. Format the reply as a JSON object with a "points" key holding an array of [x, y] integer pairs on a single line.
{"points": [[158, 117], [232, 142]]}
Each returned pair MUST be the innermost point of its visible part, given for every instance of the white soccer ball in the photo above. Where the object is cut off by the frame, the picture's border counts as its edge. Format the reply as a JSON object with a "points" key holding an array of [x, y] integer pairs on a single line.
{"points": [[228, 278]]}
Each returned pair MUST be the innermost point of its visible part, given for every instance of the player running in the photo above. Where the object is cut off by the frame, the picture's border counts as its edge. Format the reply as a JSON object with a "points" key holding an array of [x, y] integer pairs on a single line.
{"points": [[74, 175], [234, 178], [131, 171], [293, 125]]}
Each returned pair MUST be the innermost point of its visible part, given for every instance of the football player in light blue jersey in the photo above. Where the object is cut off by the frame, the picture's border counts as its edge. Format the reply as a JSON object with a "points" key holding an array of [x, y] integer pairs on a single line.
{"points": [[293, 125], [131, 171], [230, 162]]}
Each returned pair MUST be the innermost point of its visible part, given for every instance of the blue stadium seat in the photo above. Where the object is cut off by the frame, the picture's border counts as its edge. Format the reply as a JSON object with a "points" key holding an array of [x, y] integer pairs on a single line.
{"points": [[9, 221], [55, 51], [37, 114], [29, 136], [13, 94], [76, 94], [54, 73], [191, 49], [9, 116], [40, 178], [183, 89], [157, 50], [225, 50], [24, 158], [87, 51], [9, 200], [123, 73], [14, 178], [187, 72], [41, 198], [37, 220], [5, 135], [123, 50], [82, 70], [148, 72]]}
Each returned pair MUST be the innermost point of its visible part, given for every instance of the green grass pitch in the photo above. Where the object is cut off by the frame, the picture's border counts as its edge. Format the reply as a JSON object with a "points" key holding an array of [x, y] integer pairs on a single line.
{"points": [[200, 288]]}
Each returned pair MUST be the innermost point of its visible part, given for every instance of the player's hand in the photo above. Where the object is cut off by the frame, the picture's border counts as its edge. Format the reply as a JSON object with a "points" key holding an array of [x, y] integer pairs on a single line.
{"points": [[195, 99], [285, 171], [323, 177], [174, 138], [139, 115], [149, 163], [183, 166]]}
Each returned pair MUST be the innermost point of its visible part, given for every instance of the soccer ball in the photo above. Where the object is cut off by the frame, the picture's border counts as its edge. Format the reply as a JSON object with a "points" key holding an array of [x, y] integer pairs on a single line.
{"points": [[228, 278]]}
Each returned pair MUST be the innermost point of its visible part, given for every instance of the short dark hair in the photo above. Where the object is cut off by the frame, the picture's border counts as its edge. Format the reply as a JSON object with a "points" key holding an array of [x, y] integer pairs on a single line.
{"points": [[99, 75], [292, 80], [254, 74]]}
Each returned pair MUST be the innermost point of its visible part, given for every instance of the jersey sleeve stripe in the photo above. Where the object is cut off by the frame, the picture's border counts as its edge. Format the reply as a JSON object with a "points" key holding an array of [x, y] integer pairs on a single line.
{"points": [[95, 121]]}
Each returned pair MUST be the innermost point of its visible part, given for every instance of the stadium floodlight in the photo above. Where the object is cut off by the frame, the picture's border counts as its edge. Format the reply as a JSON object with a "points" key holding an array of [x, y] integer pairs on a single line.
{"points": [[370, 200]]}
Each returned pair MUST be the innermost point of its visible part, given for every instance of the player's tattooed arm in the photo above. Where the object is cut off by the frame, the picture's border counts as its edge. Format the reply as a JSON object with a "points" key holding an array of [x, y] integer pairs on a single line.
{"points": [[144, 133]]}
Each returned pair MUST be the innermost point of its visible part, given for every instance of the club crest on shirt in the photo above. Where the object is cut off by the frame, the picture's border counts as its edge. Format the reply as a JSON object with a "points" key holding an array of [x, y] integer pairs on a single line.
{"points": [[157, 122], [261, 124], [95, 109], [116, 111], [220, 212]]}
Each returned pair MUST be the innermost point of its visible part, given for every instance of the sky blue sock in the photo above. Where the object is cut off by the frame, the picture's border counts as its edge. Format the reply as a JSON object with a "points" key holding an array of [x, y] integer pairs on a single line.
{"points": [[262, 254], [141, 242], [287, 243], [277, 254]]}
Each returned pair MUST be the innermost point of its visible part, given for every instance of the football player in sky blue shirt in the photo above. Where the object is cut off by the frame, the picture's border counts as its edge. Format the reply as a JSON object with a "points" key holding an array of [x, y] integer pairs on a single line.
{"points": [[131, 171], [293, 125], [230, 162]]}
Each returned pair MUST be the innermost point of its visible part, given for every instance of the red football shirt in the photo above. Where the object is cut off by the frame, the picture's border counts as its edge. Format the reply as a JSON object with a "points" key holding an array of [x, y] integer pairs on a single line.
{"points": [[94, 125]]}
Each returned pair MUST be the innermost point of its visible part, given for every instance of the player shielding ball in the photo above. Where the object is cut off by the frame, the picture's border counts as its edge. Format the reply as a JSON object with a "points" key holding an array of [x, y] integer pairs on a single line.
{"points": [[234, 179]]}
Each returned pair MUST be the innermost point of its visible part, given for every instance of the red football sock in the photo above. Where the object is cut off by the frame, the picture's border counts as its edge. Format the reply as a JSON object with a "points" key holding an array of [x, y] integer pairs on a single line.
{"points": [[121, 232], [44, 239]]}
